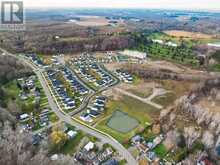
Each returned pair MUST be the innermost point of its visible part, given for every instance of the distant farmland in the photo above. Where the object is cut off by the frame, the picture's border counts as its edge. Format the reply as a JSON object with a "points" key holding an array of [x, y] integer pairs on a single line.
{"points": [[186, 34]]}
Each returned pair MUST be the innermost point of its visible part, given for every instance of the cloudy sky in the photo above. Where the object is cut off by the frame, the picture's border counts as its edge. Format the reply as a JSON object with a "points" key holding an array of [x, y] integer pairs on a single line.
{"points": [[164, 4]]}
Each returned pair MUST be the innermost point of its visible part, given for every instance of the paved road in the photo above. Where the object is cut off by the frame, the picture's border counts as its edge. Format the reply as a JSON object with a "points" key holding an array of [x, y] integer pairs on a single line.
{"points": [[66, 118]]}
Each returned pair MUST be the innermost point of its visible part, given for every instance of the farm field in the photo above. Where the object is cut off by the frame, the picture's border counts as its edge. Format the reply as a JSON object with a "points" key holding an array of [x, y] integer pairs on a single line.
{"points": [[186, 34]]}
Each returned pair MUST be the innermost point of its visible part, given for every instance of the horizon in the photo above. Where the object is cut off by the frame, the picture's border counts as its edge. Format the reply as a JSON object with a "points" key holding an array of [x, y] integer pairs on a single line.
{"points": [[108, 8], [198, 5]]}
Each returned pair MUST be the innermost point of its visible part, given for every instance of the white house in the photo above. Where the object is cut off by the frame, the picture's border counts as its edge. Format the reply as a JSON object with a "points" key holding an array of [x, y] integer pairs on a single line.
{"points": [[71, 134], [89, 146], [24, 116]]}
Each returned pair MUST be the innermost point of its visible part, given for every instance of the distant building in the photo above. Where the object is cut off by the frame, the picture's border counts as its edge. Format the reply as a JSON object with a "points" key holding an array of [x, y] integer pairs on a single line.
{"points": [[171, 44], [165, 43], [158, 41], [71, 134], [216, 45], [135, 54]]}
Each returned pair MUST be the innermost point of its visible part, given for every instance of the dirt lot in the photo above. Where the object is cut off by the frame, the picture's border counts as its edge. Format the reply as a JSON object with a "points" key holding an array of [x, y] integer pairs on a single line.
{"points": [[186, 34], [114, 66]]}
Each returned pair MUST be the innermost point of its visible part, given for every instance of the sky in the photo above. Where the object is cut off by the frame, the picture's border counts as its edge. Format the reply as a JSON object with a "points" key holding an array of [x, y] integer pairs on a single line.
{"points": [[155, 4]]}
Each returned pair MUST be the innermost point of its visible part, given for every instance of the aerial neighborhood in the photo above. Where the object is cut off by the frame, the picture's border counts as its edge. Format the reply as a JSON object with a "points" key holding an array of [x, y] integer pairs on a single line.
{"points": [[112, 85]]}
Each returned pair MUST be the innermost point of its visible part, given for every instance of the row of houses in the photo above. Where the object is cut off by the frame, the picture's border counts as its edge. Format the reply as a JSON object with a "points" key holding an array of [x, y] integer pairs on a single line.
{"points": [[105, 80], [146, 147], [101, 79], [89, 70], [42, 119], [94, 110], [68, 102], [124, 76], [75, 84], [89, 156]]}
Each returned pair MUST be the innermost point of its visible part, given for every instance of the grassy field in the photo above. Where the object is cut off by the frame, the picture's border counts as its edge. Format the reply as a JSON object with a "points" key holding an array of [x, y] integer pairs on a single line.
{"points": [[144, 113], [142, 93], [165, 100]]}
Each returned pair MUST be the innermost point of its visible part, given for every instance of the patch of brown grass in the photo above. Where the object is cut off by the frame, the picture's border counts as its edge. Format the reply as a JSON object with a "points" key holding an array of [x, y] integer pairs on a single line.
{"points": [[186, 34]]}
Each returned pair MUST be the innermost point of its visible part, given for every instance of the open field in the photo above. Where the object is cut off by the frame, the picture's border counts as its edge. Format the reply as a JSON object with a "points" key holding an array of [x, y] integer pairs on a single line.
{"points": [[165, 99], [92, 21], [144, 113], [186, 34], [140, 88]]}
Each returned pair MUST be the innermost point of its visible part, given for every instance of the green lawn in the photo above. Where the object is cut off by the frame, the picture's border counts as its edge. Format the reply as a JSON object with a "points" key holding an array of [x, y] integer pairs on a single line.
{"points": [[160, 150], [70, 146], [144, 113], [53, 117]]}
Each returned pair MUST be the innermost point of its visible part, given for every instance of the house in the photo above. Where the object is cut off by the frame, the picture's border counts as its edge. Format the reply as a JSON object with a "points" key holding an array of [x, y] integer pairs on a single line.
{"points": [[93, 113], [54, 157], [23, 116], [89, 146], [151, 156], [86, 117], [71, 134], [158, 41], [136, 139], [36, 139]]}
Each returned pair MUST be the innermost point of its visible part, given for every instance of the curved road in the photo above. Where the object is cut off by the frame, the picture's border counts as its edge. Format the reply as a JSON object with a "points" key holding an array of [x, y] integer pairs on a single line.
{"points": [[66, 118]]}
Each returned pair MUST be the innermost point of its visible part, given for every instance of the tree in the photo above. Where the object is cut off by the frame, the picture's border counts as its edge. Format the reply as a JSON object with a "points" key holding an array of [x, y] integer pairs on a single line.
{"points": [[57, 139]]}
